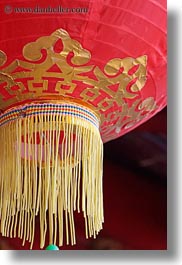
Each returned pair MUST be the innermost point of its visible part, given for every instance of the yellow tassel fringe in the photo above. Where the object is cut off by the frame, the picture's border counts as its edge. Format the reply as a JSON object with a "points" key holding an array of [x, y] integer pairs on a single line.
{"points": [[49, 181]]}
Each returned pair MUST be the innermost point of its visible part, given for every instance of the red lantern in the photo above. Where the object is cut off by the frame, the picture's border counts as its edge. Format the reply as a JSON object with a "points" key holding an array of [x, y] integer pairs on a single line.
{"points": [[70, 76]]}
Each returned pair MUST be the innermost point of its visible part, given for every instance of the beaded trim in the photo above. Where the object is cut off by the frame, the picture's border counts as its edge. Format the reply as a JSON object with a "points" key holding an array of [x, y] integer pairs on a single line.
{"points": [[49, 108]]}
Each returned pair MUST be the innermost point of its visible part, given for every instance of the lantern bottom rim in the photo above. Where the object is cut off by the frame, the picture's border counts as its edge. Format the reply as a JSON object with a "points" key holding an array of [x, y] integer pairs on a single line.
{"points": [[46, 107]]}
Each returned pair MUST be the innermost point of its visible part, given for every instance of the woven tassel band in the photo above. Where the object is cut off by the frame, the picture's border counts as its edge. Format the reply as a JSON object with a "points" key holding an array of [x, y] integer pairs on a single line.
{"points": [[51, 165]]}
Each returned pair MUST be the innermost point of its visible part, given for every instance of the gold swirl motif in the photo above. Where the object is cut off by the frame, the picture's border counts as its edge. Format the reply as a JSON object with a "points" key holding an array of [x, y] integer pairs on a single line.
{"points": [[107, 91]]}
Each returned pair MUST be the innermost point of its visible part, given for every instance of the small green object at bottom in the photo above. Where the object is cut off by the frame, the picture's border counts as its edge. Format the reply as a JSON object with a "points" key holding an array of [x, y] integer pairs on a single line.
{"points": [[52, 247]]}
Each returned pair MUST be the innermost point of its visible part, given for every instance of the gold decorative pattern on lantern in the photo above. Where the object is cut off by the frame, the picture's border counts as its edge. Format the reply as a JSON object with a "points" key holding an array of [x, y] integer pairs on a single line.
{"points": [[57, 74]]}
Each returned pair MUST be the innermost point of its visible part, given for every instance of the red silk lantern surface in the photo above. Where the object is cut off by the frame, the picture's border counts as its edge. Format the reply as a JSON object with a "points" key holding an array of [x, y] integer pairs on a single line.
{"points": [[108, 30]]}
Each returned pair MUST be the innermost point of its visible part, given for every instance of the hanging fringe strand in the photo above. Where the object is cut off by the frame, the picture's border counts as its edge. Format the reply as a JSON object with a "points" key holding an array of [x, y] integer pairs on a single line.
{"points": [[50, 165]]}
